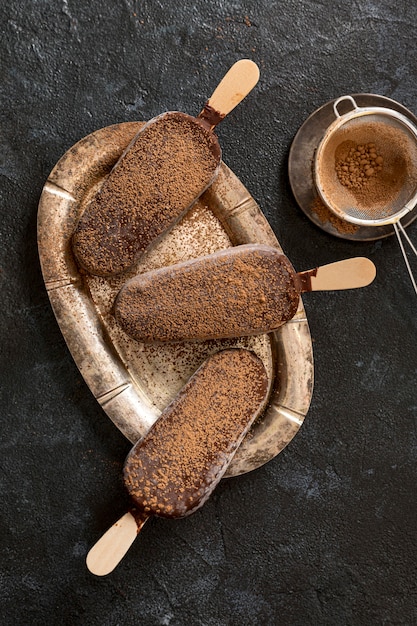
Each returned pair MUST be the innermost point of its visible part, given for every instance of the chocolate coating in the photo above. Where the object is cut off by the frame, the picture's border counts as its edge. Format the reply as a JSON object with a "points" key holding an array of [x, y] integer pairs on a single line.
{"points": [[167, 166], [175, 467], [240, 291]]}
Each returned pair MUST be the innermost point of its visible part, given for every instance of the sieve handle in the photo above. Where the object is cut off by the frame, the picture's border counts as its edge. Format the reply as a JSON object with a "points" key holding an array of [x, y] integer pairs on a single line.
{"points": [[341, 99], [399, 230]]}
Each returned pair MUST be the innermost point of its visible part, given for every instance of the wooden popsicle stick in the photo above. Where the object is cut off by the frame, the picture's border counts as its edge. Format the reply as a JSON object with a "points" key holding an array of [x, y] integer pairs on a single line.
{"points": [[113, 545], [232, 89], [346, 274]]}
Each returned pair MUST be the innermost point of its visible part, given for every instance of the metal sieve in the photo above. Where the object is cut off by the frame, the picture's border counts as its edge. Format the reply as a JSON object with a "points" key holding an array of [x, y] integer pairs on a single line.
{"points": [[339, 199]]}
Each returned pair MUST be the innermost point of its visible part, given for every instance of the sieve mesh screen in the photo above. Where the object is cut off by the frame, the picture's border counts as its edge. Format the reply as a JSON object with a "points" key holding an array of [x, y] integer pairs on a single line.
{"points": [[381, 195]]}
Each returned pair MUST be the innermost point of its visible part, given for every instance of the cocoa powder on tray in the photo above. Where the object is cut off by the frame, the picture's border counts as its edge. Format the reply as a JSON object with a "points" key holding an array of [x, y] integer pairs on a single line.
{"points": [[325, 215]]}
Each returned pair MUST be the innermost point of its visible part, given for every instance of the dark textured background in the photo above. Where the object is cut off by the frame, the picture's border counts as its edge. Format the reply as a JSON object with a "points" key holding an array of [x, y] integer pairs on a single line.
{"points": [[325, 533]]}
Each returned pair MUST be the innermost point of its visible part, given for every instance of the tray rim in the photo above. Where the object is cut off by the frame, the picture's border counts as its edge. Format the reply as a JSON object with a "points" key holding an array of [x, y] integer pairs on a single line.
{"points": [[100, 368]]}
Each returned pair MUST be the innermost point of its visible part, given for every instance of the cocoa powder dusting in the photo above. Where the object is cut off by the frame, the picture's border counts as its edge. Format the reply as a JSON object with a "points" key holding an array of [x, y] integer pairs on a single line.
{"points": [[173, 470], [169, 164]]}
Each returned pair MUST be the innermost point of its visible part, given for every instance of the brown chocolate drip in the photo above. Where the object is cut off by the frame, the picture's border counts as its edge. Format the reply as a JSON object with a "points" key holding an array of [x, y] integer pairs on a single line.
{"points": [[303, 280], [140, 517], [211, 116]]}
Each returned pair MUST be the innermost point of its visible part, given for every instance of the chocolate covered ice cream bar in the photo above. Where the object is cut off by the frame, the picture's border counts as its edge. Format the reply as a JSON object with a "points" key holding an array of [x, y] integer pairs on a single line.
{"points": [[245, 290], [173, 470], [240, 291], [171, 161], [176, 466]]}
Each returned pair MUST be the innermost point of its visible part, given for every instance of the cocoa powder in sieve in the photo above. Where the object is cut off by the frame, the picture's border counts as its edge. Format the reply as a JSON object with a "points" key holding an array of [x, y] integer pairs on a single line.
{"points": [[369, 165], [358, 164]]}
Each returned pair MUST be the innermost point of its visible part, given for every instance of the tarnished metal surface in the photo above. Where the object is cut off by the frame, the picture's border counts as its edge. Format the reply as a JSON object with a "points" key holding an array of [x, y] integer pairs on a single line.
{"points": [[133, 382]]}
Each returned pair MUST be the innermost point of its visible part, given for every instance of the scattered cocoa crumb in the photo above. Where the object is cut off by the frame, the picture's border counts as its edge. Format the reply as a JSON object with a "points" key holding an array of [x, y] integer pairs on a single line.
{"points": [[326, 216]]}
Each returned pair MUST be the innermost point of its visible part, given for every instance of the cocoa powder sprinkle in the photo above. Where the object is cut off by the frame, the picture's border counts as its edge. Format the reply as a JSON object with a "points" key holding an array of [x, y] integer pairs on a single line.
{"points": [[325, 215]]}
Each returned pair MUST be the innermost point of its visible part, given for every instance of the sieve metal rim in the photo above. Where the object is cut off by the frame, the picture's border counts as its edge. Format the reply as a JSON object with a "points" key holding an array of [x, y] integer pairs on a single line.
{"points": [[340, 120]]}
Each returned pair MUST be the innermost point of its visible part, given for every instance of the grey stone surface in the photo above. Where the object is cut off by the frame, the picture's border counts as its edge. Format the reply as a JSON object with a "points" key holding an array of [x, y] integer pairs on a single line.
{"points": [[325, 533]]}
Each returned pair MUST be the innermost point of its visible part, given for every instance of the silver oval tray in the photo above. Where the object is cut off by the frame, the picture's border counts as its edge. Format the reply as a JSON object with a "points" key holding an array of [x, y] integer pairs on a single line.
{"points": [[134, 382]]}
